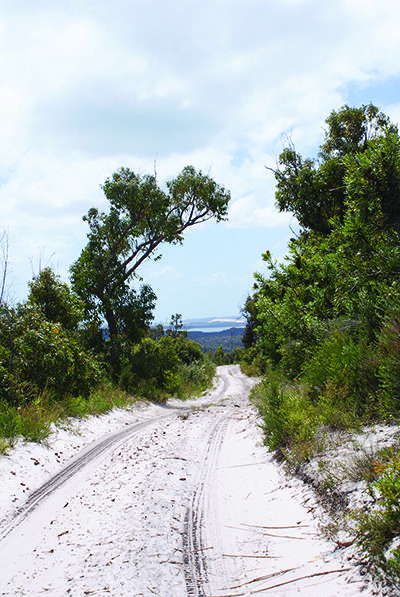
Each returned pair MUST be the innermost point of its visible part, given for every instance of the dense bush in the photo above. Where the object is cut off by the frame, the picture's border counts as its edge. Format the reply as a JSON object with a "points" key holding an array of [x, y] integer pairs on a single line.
{"points": [[55, 300], [389, 367], [327, 318], [350, 366], [172, 364], [37, 355], [153, 362], [291, 420], [188, 350], [378, 530]]}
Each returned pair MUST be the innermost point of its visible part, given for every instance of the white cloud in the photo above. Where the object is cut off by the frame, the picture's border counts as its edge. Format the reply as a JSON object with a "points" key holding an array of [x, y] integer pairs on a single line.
{"points": [[87, 87]]}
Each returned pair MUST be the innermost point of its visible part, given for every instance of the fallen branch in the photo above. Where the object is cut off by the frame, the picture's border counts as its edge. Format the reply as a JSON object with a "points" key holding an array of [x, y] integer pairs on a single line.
{"points": [[202, 549], [266, 534], [227, 555], [260, 526], [287, 582], [259, 578], [281, 584]]}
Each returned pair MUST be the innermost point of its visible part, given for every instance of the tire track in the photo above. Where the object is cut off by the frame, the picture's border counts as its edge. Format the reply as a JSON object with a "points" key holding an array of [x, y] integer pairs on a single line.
{"points": [[85, 457], [195, 544], [202, 546]]}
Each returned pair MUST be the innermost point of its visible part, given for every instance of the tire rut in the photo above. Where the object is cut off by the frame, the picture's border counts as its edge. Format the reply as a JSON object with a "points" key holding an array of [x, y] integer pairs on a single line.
{"points": [[202, 545], [86, 456], [200, 530]]}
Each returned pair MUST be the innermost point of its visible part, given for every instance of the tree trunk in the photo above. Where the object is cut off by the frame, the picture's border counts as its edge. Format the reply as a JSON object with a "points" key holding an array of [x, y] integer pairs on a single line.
{"points": [[115, 356]]}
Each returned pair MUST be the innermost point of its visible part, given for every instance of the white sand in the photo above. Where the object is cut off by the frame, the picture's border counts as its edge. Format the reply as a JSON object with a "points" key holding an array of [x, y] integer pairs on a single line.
{"points": [[192, 504]]}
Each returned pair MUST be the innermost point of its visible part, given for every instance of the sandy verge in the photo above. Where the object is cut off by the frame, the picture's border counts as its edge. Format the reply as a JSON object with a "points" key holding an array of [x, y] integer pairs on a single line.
{"points": [[192, 504]]}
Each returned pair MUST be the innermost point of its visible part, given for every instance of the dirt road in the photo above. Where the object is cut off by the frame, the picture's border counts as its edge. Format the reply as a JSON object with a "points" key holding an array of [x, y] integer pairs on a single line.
{"points": [[182, 500]]}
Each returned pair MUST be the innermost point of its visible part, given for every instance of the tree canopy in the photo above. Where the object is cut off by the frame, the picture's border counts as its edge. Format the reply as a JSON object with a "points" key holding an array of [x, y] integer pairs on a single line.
{"points": [[141, 217], [342, 270], [314, 190]]}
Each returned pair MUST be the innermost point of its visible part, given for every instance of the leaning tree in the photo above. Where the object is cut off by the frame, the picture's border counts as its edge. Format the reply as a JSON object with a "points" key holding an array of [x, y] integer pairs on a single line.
{"points": [[141, 217]]}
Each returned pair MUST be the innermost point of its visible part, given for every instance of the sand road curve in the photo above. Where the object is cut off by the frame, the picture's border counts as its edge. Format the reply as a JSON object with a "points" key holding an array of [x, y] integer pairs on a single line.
{"points": [[184, 502]]}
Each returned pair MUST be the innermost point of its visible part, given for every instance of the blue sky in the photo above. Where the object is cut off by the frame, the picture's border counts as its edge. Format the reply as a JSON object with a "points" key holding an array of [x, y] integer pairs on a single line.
{"points": [[89, 86]]}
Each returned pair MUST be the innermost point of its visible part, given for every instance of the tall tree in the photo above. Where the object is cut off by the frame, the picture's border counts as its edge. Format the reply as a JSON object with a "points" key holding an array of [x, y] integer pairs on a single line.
{"points": [[314, 190], [141, 217], [339, 276]]}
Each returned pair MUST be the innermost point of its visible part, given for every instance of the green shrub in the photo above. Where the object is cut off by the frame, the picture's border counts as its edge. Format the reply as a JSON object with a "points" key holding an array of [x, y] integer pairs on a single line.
{"points": [[38, 355], [9, 420], [337, 408], [291, 420], [150, 366], [55, 299], [389, 369], [193, 379], [348, 365], [31, 421], [378, 532], [35, 421], [188, 350]]}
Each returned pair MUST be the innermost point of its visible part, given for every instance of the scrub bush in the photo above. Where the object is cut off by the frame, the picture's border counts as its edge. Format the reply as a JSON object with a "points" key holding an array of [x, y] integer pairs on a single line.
{"points": [[344, 371], [378, 533], [38, 355]]}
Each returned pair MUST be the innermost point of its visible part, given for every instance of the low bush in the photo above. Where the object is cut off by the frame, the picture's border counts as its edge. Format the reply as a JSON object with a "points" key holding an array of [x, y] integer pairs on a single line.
{"points": [[38, 355], [194, 379], [389, 367], [291, 420], [252, 362], [33, 420], [378, 530], [343, 371]]}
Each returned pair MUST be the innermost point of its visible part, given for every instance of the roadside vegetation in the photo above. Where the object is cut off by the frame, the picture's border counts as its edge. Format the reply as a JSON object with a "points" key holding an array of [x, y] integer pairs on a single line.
{"points": [[70, 350], [324, 325]]}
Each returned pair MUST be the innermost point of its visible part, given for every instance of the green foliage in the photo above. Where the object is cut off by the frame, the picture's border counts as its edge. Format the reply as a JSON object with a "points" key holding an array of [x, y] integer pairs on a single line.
{"points": [[223, 357], [373, 181], [389, 367], [219, 356], [249, 311], [55, 300], [37, 355], [193, 379], [157, 367], [33, 420], [103, 399], [151, 367], [141, 217], [188, 350], [314, 190], [378, 530], [252, 362], [346, 370], [320, 312], [291, 421]]}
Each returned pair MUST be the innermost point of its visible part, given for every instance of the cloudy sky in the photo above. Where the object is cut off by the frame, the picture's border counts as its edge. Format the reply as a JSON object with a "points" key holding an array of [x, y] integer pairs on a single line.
{"points": [[88, 86]]}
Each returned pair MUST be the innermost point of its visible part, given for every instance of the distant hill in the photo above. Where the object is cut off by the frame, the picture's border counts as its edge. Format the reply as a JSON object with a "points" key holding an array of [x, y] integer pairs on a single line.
{"points": [[229, 339], [210, 323]]}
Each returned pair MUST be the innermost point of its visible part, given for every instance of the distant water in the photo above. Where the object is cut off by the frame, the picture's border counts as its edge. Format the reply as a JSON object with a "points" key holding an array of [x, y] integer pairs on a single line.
{"points": [[211, 330]]}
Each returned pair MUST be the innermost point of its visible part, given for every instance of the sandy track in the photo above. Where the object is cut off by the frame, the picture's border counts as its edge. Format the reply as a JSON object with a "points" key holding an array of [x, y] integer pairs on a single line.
{"points": [[185, 502], [86, 457]]}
